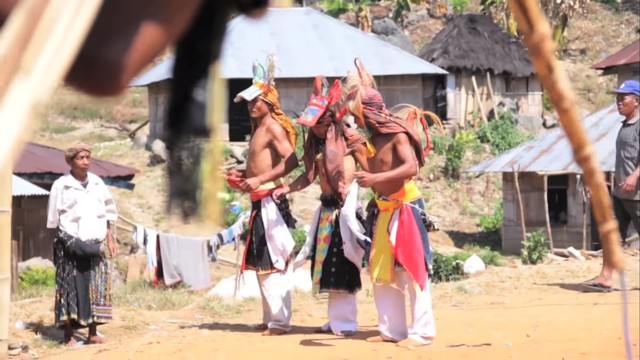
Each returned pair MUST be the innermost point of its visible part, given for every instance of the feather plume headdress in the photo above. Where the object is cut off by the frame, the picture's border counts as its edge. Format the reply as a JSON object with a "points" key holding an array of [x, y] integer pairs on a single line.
{"points": [[264, 87]]}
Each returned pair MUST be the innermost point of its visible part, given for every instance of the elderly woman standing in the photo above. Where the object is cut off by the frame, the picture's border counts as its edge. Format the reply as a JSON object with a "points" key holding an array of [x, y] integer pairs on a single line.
{"points": [[82, 209]]}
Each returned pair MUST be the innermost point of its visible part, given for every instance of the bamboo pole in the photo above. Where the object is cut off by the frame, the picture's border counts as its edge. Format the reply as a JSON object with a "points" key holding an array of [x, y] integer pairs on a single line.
{"points": [[522, 224], [5, 252], [477, 96], [493, 99], [546, 210], [537, 36]]}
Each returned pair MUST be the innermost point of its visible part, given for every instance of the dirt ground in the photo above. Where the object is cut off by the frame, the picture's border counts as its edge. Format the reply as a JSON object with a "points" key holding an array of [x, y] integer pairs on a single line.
{"points": [[511, 312]]}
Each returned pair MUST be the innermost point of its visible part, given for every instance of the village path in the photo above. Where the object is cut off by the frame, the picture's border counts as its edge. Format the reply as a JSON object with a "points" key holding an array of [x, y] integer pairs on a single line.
{"points": [[513, 312]]}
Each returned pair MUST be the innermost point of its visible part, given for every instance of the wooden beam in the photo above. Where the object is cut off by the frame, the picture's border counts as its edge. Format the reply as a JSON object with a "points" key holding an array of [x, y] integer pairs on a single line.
{"points": [[477, 96], [546, 210], [493, 99], [522, 224], [5, 252]]}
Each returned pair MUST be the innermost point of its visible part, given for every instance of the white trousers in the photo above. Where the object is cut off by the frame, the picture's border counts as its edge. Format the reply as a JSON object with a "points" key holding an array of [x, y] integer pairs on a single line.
{"points": [[390, 301], [343, 313], [276, 300]]}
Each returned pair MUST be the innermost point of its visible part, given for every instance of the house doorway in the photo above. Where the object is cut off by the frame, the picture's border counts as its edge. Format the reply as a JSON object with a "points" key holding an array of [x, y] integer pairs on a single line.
{"points": [[558, 207], [239, 122]]}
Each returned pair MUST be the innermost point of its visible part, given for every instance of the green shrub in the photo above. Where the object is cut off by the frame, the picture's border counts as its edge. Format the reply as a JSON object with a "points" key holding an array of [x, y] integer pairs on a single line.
{"points": [[488, 256], [440, 143], [502, 133], [299, 236], [37, 277], [534, 249], [455, 151], [459, 6], [448, 267], [492, 222]]}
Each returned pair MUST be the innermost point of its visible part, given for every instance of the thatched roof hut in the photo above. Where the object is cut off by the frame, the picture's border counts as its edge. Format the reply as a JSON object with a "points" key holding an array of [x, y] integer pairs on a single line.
{"points": [[473, 42], [472, 46]]}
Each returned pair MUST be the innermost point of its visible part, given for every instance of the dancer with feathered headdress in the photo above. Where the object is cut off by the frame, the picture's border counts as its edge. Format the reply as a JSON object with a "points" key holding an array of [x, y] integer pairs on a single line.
{"points": [[271, 156], [400, 253], [335, 242]]}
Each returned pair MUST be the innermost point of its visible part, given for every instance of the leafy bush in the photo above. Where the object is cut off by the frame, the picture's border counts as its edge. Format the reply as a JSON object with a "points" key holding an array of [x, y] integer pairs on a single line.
{"points": [[448, 267], [502, 133], [455, 151], [492, 222], [535, 248], [299, 236], [459, 6], [440, 143], [488, 256], [37, 277]]}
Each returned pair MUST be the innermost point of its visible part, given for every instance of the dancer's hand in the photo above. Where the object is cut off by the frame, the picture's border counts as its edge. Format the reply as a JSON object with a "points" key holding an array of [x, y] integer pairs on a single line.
{"points": [[250, 184], [365, 179], [280, 193]]}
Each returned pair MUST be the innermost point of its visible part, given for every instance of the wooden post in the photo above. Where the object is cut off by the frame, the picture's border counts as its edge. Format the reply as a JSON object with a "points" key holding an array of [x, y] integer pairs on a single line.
{"points": [[477, 95], [16, 242], [5, 252], [493, 99], [585, 210], [522, 224], [546, 210]]}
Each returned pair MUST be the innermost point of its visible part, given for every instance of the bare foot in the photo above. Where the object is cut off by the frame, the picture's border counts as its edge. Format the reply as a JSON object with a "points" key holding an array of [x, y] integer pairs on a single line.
{"points": [[409, 343], [71, 342], [321, 330], [273, 332], [96, 339], [378, 339], [260, 327]]}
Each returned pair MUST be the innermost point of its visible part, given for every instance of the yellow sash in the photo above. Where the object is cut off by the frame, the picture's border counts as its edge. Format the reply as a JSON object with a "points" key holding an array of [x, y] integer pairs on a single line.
{"points": [[382, 259]]}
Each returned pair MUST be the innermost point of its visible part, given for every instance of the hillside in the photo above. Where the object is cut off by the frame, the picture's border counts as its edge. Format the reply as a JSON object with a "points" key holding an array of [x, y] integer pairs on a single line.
{"points": [[70, 116]]}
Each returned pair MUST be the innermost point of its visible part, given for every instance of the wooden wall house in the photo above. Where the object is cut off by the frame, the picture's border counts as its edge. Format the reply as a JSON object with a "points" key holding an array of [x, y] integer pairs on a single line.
{"points": [[547, 173], [302, 52], [472, 47], [625, 64]]}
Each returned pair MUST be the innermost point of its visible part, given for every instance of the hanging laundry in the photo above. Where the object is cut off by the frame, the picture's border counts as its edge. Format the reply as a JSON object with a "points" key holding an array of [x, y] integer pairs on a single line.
{"points": [[150, 241], [138, 236], [184, 259], [215, 241]]}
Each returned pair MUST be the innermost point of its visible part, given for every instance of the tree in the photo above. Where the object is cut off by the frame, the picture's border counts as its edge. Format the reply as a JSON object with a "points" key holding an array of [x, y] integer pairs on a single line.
{"points": [[558, 12]]}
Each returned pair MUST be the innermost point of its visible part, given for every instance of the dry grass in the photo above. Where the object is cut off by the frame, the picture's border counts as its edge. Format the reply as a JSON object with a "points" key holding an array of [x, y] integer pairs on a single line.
{"points": [[142, 295]]}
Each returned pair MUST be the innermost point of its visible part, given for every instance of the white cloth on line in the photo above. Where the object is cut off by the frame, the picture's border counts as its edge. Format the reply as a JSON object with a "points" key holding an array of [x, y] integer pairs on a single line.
{"points": [[185, 259], [138, 235], [152, 243], [390, 303]]}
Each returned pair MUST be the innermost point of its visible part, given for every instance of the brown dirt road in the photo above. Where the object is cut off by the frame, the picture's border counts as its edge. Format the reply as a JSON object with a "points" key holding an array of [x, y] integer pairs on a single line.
{"points": [[515, 312]]}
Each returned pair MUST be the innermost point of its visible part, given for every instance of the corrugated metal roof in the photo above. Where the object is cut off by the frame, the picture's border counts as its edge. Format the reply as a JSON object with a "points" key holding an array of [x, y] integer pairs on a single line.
{"points": [[629, 55], [21, 187], [159, 72], [306, 43], [552, 152], [36, 158]]}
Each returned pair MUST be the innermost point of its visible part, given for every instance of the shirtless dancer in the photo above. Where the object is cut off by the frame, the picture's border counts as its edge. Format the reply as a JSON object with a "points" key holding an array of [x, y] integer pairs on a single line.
{"points": [[400, 252], [332, 152], [271, 156]]}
